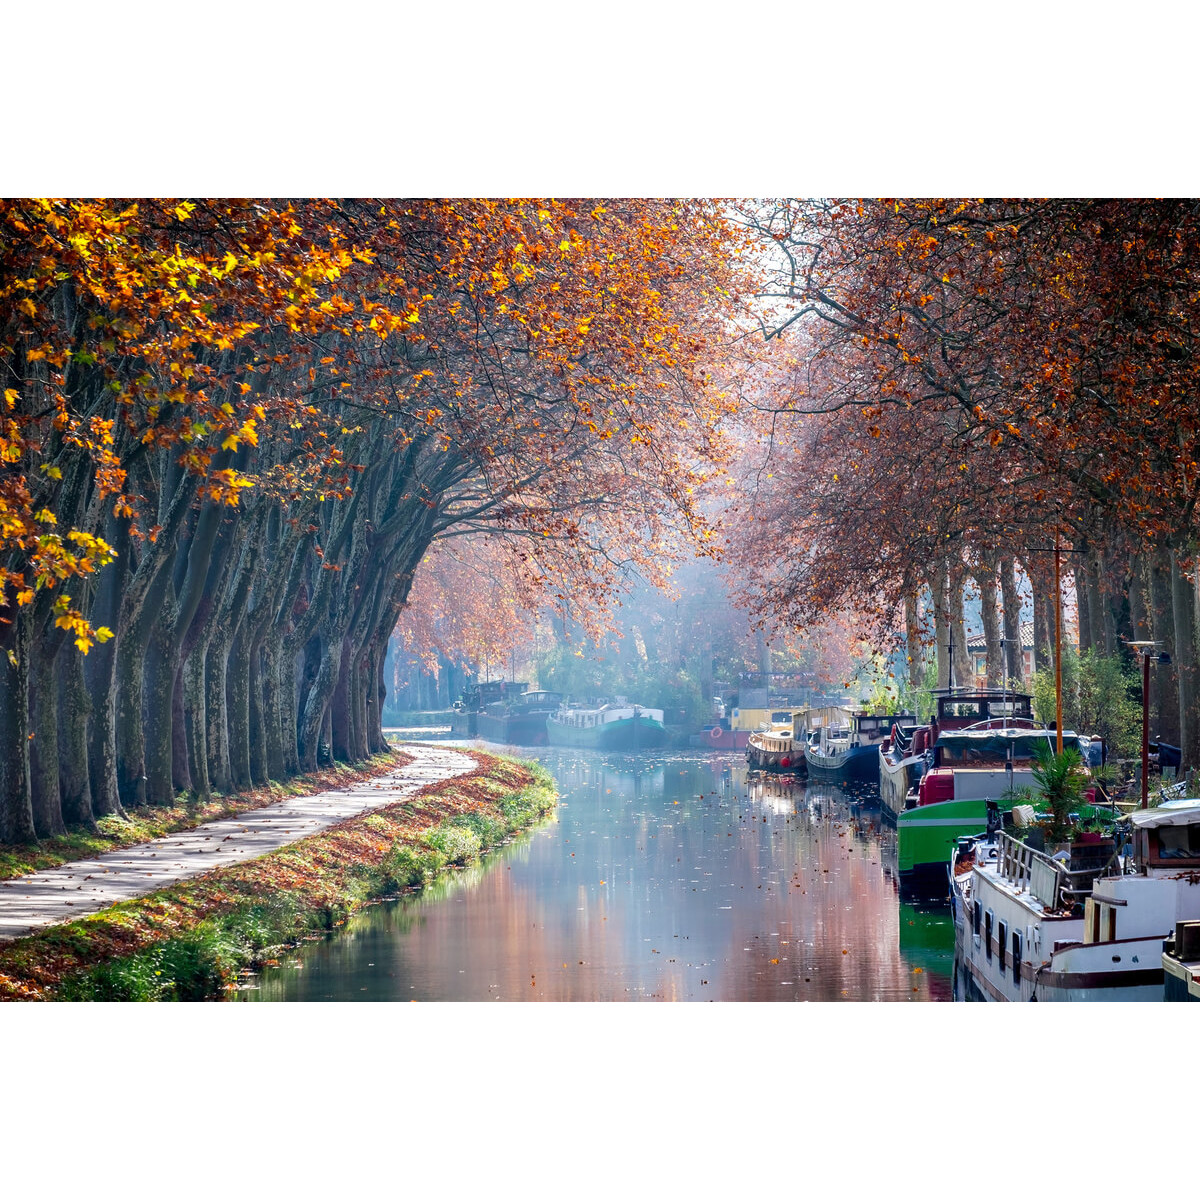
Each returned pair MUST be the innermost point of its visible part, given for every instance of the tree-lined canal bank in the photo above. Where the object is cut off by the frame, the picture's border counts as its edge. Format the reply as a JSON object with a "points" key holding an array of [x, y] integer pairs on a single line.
{"points": [[192, 939], [669, 876]]}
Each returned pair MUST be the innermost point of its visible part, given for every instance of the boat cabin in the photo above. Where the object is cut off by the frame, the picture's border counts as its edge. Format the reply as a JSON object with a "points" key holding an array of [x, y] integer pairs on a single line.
{"points": [[835, 729], [540, 700], [1167, 836], [477, 696], [958, 708]]}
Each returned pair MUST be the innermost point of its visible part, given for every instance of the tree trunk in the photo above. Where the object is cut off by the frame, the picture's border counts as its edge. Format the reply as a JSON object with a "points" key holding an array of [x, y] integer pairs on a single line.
{"points": [[1139, 610], [962, 660], [158, 694], [1102, 599], [912, 638], [1041, 581], [43, 747], [317, 704], [941, 617], [100, 672], [237, 699], [181, 775], [216, 720], [16, 806], [375, 675], [259, 770], [287, 698], [1014, 649], [1164, 686], [130, 734], [1186, 667], [1083, 608], [1041, 640], [102, 745], [74, 708], [196, 722], [991, 623], [272, 703], [341, 706]]}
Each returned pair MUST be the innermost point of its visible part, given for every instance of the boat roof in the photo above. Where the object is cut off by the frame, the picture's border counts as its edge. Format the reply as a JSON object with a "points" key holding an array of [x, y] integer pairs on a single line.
{"points": [[971, 735], [961, 693], [1170, 812]]}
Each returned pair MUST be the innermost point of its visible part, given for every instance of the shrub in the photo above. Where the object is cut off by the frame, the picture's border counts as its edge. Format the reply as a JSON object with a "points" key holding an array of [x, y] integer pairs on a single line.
{"points": [[459, 845], [1101, 696], [405, 867], [488, 830]]}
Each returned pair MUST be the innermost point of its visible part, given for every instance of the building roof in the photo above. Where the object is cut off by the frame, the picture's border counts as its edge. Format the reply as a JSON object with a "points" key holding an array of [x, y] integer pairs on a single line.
{"points": [[977, 644]]}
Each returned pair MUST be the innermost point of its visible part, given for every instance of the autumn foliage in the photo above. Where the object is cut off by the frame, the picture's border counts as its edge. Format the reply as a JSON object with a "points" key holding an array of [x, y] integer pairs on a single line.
{"points": [[233, 429], [958, 383]]}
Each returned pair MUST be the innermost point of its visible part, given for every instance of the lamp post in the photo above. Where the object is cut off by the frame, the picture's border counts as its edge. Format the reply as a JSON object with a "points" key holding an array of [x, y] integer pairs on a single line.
{"points": [[1146, 650]]}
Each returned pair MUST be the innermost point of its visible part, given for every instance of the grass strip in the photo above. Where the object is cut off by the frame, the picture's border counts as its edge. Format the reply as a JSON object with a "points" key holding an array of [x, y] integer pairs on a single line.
{"points": [[147, 822], [190, 941]]}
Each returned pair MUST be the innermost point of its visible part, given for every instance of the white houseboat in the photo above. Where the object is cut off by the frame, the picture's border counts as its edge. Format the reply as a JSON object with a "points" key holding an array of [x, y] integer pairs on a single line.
{"points": [[1088, 925]]}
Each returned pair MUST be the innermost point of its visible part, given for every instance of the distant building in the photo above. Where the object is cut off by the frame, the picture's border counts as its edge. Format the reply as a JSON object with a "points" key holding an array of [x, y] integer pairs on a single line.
{"points": [[977, 650]]}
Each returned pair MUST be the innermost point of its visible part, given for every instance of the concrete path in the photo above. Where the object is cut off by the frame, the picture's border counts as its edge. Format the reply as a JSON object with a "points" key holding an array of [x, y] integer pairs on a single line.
{"points": [[78, 888]]}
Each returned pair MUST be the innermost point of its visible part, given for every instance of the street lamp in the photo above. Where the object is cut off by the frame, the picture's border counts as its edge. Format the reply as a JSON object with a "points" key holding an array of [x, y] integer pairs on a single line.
{"points": [[1146, 650]]}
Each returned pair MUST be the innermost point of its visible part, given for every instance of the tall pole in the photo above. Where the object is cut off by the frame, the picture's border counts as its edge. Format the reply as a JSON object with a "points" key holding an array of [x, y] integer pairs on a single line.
{"points": [[1057, 638], [1146, 729]]}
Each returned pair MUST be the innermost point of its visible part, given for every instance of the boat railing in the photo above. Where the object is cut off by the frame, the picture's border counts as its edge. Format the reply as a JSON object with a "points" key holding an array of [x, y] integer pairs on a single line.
{"points": [[1029, 869], [1050, 880]]}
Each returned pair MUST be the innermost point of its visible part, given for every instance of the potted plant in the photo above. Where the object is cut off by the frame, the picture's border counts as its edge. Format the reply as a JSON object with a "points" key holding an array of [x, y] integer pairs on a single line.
{"points": [[1061, 780]]}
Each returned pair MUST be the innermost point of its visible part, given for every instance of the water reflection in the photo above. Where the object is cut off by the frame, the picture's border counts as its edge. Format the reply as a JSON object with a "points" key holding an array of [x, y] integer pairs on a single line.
{"points": [[664, 877]]}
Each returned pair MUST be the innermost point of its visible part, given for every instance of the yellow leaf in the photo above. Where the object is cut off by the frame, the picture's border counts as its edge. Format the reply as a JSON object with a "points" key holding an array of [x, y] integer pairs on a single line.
{"points": [[25, 597]]}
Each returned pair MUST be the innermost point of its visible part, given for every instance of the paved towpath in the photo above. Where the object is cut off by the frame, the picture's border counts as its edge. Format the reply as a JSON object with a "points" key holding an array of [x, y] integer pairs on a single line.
{"points": [[85, 886]]}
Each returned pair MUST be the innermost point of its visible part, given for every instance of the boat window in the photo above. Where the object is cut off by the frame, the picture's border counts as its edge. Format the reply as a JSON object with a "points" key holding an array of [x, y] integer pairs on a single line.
{"points": [[1178, 841], [960, 708], [987, 934], [1016, 956], [1002, 942], [976, 917]]}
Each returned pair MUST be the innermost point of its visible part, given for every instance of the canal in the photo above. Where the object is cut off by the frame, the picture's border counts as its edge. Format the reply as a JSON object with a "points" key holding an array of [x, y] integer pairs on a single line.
{"points": [[670, 876]]}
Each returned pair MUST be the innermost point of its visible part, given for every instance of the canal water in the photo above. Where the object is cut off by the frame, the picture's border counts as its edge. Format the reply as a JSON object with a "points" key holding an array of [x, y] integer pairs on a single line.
{"points": [[671, 876]]}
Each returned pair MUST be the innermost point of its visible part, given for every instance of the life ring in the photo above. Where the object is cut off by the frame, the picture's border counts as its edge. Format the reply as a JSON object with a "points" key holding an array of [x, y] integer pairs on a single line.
{"points": [[715, 733]]}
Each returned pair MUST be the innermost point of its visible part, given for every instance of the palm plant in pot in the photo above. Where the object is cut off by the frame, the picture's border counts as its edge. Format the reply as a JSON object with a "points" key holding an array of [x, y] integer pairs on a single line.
{"points": [[1061, 780]]}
